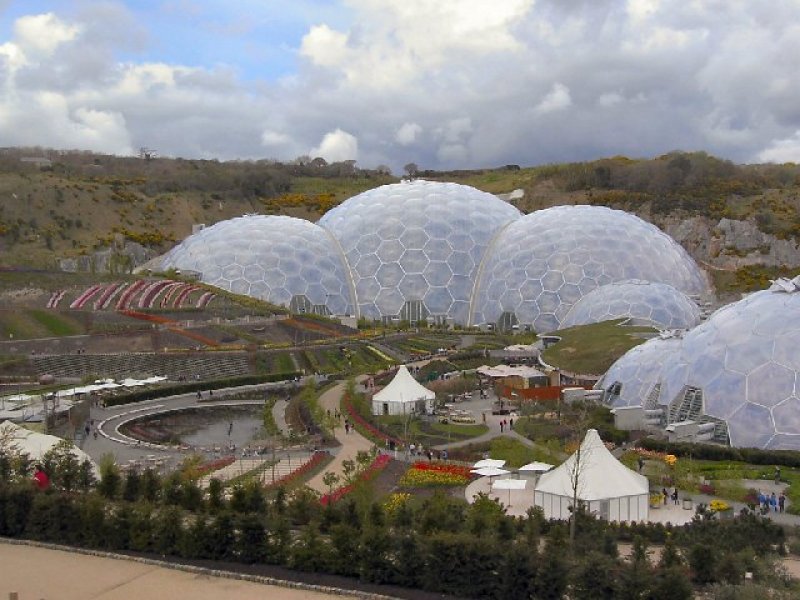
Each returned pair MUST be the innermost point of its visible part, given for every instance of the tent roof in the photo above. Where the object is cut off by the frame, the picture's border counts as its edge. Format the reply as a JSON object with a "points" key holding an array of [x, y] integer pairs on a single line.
{"points": [[600, 476], [35, 444], [404, 388]]}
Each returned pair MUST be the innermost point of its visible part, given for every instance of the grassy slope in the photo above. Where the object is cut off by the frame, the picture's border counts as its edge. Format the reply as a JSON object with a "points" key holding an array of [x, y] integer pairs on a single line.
{"points": [[592, 349]]}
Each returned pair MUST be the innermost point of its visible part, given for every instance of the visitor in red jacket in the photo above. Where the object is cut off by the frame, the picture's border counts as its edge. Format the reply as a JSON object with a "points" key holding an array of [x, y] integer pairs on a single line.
{"points": [[40, 478]]}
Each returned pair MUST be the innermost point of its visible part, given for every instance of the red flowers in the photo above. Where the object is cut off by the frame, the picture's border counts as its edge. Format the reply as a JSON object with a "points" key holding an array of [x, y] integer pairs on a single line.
{"points": [[367, 474], [363, 423], [315, 459]]}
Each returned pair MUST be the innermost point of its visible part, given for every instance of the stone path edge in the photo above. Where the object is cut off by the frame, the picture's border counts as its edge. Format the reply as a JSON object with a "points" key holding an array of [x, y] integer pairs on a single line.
{"points": [[298, 585]]}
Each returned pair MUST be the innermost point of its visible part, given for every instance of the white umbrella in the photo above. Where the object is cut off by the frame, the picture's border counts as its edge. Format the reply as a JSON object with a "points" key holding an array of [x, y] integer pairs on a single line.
{"points": [[509, 484], [488, 462], [536, 467], [490, 471]]}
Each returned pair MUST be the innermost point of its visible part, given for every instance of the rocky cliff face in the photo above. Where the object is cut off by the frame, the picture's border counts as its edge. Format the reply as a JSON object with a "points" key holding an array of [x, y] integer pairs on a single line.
{"points": [[730, 244]]}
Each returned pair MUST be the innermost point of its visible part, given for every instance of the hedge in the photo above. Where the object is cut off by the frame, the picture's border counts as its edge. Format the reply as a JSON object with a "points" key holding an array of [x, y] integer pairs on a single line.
{"points": [[752, 456], [198, 386]]}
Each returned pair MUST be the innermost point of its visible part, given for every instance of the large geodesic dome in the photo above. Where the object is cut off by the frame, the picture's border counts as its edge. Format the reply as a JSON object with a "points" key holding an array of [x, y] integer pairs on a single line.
{"points": [[643, 302], [542, 264], [414, 248], [739, 370], [279, 259]]}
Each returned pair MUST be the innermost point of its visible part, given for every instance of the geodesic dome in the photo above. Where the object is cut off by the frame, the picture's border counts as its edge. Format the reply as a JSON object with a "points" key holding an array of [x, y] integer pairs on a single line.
{"points": [[282, 260], [744, 361], [414, 248], [739, 369], [542, 264], [636, 376], [644, 302]]}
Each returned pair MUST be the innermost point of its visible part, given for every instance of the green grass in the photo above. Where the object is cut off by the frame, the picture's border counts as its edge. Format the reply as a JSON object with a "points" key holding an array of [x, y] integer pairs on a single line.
{"points": [[592, 349], [516, 454], [429, 433], [283, 363]]}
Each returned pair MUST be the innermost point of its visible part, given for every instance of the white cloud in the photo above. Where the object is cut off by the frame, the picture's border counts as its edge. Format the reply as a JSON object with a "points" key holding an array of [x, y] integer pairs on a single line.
{"points": [[558, 98], [453, 83], [407, 134], [337, 146], [324, 46], [39, 35], [274, 138], [782, 151]]}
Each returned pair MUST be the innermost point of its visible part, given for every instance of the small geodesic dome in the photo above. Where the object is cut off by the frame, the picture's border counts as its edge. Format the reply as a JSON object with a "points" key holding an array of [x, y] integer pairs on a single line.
{"points": [[542, 264], [282, 260], [635, 378], [643, 302]]}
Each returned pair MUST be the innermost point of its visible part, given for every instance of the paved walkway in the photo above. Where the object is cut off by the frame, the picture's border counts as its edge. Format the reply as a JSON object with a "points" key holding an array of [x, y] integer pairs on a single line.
{"points": [[36, 573], [279, 416], [351, 443]]}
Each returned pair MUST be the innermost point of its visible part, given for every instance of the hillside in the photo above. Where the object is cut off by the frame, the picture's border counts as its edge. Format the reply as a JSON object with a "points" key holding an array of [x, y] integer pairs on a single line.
{"points": [[110, 213]]}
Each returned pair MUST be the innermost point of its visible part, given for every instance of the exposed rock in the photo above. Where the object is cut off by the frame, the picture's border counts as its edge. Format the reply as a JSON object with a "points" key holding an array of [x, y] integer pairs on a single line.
{"points": [[731, 244], [123, 257]]}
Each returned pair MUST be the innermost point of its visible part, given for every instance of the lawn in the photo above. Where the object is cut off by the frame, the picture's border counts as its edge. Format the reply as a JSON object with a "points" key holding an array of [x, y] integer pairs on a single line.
{"points": [[592, 349], [429, 433]]}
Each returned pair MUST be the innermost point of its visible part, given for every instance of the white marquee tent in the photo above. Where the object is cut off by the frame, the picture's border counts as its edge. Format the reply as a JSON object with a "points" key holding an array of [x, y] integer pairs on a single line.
{"points": [[608, 488], [403, 396], [36, 445]]}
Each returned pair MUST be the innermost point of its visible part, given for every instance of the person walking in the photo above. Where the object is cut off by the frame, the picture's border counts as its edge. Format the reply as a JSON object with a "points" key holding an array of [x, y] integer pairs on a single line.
{"points": [[773, 502], [675, 495], [781, 502]]}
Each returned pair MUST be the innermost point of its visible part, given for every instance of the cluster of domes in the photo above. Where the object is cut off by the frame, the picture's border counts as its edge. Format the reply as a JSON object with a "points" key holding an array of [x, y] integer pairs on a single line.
{"points": [[739, 370], [450, 253], [545, 262]]}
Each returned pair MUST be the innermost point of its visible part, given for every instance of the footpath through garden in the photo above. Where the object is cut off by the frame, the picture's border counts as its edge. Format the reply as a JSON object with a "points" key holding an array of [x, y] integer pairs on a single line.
{"points": [[351, 443]]}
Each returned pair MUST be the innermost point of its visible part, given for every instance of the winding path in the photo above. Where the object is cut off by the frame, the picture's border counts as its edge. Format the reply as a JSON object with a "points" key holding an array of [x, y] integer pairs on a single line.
{"points": [[351, 443]]}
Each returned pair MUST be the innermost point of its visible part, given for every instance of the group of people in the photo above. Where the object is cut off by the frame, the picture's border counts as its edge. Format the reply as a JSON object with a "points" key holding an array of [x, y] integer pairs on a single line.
{"points": [[506, 423], [773, 502], [667, 495]]}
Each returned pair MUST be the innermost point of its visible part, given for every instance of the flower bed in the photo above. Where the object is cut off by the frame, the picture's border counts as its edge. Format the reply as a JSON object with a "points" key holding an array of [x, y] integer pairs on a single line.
{"points": [[706, 488], [318, 457], [426, 474], [214, 465], [364, 426], [367, 474]]}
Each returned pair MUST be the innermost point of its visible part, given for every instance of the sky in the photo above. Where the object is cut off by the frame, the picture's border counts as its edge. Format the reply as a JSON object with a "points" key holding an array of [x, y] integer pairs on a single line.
{"points": [[444, 83]]}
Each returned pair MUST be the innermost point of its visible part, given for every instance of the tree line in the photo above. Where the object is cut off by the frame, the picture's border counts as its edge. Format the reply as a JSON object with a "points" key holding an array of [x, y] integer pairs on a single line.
{"points": [[437, 543]]}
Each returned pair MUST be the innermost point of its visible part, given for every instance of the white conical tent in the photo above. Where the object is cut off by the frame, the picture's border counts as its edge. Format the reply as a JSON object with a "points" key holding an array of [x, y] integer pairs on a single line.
{"points": [[403, 396], [608, 488]]}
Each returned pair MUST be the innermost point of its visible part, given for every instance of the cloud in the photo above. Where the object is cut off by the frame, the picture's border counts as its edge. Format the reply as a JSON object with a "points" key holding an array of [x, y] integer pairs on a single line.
{"points": [[337, 146], [558, 98], [782, 151], [447, 84], [407, 134], [274, 138]]}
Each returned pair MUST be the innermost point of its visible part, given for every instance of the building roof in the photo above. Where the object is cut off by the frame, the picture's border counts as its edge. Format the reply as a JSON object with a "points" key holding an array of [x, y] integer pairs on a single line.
{"points": [[508, 371]]}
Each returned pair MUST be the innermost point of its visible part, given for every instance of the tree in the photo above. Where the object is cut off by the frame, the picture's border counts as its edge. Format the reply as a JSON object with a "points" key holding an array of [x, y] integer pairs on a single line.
{"points": [[595, 578], [411, 169], [110, 478], [330, 479]]}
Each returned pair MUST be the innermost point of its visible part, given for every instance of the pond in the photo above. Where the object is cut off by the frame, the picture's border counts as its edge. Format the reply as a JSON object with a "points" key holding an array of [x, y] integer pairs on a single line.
{"points": [[212, 426]]}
